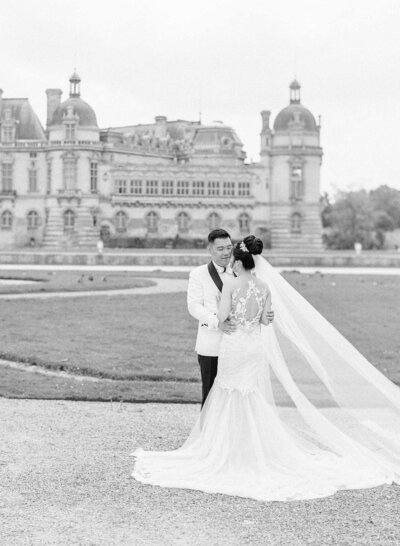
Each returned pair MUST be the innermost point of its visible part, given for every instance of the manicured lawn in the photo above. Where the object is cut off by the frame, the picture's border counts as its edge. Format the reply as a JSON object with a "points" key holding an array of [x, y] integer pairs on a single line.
{"points": [[151, 337], [69, 281]]}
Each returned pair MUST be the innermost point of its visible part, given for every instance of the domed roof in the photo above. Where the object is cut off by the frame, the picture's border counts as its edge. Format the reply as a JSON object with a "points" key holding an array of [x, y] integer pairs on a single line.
{"points": [[75, 106], [292, 114], [295, 113], [82, 109]]}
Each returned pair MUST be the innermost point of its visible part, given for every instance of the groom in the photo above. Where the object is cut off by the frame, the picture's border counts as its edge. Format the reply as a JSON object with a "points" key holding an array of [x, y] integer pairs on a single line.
{"points": [[204, 290]]}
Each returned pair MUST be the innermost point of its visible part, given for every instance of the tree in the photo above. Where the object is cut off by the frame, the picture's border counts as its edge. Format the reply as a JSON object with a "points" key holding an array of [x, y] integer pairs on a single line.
{"points": [[387, 200], [349, 220]]}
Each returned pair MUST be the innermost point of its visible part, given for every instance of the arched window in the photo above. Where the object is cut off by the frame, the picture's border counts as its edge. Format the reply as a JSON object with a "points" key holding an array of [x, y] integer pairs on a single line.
{"points": [[152, 222], [6, 221], [121, 221], [183, 222], [244, 223], [33, 219], [296, 223], [214, 221], [69, 220]]}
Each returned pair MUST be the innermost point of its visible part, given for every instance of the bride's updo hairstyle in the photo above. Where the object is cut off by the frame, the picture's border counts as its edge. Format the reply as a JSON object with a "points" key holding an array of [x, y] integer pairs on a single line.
{"points": [[246, 249]]}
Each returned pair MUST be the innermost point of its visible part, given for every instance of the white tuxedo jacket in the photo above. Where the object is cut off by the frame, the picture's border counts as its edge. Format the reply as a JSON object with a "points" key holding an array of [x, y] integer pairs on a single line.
{"points": [[202, 301]]}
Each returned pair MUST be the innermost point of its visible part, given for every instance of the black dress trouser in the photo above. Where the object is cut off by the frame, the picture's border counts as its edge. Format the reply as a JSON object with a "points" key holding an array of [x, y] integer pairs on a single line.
{"points": [[208, 370]]}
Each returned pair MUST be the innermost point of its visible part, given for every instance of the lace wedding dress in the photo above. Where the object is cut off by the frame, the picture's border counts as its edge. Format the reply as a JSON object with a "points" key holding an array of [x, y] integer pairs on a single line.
{"points": [[243, 444]]}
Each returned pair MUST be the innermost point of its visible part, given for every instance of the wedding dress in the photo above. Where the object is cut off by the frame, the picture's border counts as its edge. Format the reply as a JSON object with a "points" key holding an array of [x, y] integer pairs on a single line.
{"points": [[295, 412]]}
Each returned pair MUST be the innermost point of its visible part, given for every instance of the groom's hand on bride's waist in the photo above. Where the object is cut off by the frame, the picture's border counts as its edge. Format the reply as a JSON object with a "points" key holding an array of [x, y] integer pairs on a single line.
{"points": [[227, 327]]}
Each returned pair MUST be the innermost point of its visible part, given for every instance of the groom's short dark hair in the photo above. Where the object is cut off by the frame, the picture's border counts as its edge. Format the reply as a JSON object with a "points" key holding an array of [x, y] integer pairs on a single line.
{"points": [[218, 234]]}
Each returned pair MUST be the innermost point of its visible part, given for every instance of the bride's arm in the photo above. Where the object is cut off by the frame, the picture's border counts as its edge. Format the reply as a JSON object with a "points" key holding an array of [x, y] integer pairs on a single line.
{"points": [[226, 302], [267, 308]]}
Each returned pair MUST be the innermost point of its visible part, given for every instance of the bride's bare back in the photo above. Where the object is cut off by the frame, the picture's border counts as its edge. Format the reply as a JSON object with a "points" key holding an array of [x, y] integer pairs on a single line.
{"points": [[246, 301]]}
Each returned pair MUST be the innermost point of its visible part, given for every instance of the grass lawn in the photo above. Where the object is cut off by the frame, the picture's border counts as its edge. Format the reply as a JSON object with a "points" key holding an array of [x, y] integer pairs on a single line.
{"points": [[69, 281], [143, 339]]}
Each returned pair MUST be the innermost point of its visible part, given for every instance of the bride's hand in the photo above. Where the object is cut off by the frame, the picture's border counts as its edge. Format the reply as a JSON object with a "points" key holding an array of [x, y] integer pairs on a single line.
{"points": [[227, 327], [270, 315]]}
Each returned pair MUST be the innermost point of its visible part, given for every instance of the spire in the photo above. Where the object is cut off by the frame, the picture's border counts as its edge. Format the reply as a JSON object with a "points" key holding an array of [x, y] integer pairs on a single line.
{"points": [[75, 85], [295, 92]]}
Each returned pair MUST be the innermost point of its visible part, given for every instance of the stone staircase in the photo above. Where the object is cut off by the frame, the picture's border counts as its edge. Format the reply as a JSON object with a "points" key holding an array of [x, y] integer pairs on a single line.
{"points": [[54, 231], [88, 235], [282, 239], [84, 234]]}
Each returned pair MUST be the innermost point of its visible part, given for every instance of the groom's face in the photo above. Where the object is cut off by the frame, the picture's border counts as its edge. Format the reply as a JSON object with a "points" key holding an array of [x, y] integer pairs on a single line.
{"points": [[221, 250]]}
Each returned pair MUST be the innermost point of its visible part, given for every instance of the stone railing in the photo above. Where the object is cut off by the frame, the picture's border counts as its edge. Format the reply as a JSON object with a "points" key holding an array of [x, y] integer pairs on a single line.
{"points": [[10, 194], [191, 201], [69, 194]]}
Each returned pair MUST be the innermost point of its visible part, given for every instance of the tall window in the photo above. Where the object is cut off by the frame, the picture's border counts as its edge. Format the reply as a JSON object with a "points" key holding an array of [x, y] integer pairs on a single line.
{"points": [[69, 220], [297, 185], [70, 131], [244, 223], [229, 188], [198, 187], [120, 186], [296, 223], [214, 221], [136, 187], [69, 172], [33, 219], [93, 176], [8, 133], [213, 188], [167, 187], [152, 222], [32, 180], [244, 189], [183, 222], [152, 187], [49, 175], [7, 177], [121, 221], [182, 187], [6, 221]]}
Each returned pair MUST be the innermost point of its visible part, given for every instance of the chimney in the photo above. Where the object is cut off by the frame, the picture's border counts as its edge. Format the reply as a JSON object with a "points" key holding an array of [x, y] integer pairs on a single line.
{"points": [[161, 126], [53, 101], [265, 115]]}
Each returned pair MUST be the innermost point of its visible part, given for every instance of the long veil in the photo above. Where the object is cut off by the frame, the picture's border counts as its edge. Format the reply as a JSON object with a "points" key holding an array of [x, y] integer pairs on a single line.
{"points": [[325, 390]]}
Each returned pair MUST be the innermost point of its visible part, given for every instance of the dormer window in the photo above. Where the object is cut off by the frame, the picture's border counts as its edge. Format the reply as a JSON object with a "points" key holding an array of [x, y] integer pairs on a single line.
{"points": [[70, 131]]}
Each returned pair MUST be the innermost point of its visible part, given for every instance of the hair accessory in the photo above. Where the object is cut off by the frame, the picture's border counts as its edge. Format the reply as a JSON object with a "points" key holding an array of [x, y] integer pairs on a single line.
{"points": [[243, 247]]}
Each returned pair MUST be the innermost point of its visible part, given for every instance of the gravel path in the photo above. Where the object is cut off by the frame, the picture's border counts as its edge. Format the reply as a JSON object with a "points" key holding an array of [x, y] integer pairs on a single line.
{"points": [[65, 480]]}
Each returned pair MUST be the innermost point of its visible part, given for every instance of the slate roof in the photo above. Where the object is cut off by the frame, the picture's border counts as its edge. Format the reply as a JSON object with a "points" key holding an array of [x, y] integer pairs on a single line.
{"points": [[28, 126]]}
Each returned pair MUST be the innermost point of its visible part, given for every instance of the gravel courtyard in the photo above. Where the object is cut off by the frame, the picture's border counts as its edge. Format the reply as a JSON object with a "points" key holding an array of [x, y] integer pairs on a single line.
{"points": [[65, 480]]}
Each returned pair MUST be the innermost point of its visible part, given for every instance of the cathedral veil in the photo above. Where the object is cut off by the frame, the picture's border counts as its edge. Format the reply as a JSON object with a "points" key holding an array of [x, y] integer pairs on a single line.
{"points": [[324, 390]]}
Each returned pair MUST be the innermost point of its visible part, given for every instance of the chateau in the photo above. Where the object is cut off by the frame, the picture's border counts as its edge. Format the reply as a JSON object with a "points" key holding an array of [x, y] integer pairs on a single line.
{"points": [[73, 182]]}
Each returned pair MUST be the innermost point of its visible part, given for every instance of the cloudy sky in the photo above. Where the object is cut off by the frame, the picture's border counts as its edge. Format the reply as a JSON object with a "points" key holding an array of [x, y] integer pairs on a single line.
{"points": [[228, 58]]}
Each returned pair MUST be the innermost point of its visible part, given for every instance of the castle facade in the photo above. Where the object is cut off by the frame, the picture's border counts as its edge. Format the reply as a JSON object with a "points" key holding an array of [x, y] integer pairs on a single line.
{"points": [[71, 182]]}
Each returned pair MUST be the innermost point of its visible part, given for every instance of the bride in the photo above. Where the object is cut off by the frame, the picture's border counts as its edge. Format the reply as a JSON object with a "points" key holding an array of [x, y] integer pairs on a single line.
{"points": [[296, 412]]}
